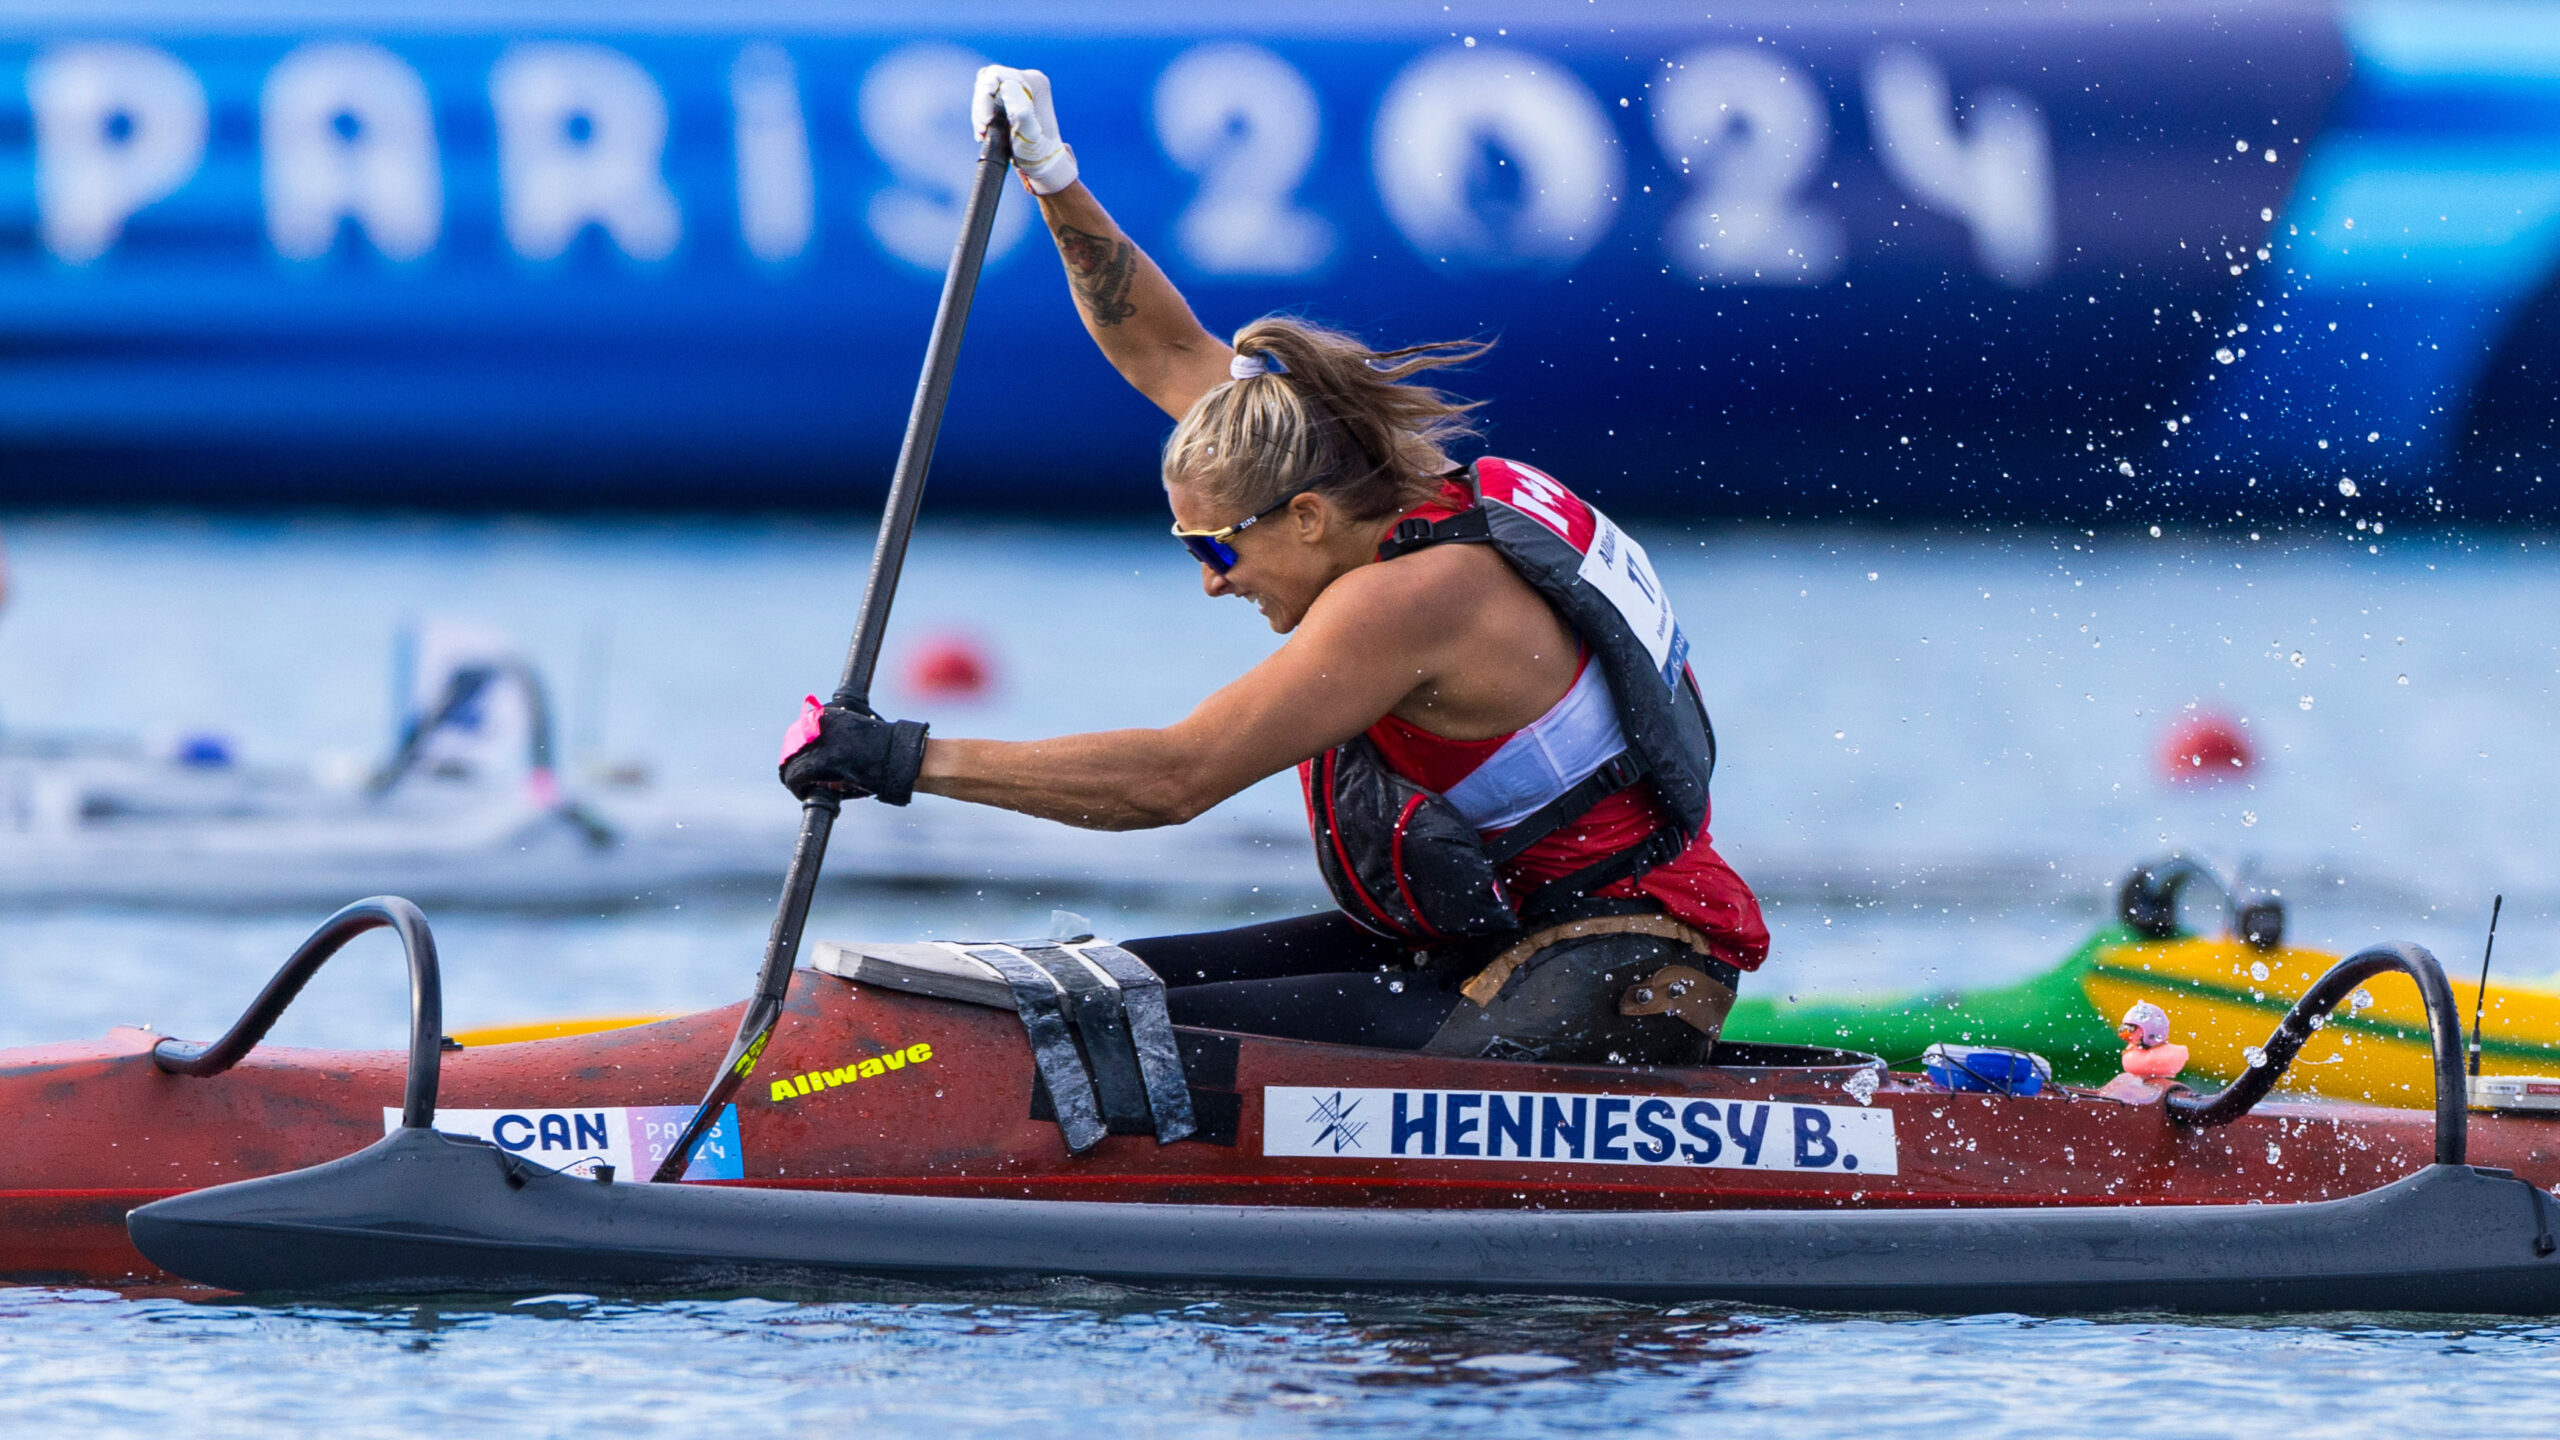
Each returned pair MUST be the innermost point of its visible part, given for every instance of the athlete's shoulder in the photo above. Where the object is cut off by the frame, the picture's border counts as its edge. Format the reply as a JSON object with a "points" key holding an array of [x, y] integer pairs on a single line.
{"points": [[1423, 582]]}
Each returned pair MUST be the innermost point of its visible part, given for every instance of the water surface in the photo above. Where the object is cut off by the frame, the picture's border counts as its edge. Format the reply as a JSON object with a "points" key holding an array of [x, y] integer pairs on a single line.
{"points": [[1894, 709]]}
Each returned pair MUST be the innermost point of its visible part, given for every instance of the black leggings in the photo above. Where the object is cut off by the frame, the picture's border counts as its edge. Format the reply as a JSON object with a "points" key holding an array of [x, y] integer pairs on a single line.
{"points": [[1314, 977]]}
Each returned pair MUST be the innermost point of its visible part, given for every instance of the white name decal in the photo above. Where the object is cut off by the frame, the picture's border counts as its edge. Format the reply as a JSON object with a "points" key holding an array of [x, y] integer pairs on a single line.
{"points": [[631, 1139], [1565, 1127]]}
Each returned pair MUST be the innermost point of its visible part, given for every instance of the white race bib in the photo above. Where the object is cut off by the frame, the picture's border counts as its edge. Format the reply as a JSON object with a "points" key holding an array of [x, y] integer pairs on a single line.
{"points": [[1617, 567]]}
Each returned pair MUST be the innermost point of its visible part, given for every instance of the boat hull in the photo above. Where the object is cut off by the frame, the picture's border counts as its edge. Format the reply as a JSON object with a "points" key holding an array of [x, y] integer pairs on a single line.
{"points": [[421, 1211], [872, 1091]]}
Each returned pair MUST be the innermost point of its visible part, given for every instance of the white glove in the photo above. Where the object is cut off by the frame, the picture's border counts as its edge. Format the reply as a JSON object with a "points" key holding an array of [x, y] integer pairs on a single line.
{"points": [[1047, 163]]}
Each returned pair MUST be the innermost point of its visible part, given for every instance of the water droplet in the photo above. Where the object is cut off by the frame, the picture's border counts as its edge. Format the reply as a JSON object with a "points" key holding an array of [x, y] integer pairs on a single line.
{"points": [[2255, 1055], [2224, 355], [2359, 1001], [2306, 702], [2248, 817], [1395, 987], [2266, 212], [2347, 488], [2297, 659], [2404, 679], [2258, 970], [1861, 1086], [2155, 530]]}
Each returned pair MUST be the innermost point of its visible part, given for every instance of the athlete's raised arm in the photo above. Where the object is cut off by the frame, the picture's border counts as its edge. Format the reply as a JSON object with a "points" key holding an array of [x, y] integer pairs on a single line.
{"points": [[1130, 309]]}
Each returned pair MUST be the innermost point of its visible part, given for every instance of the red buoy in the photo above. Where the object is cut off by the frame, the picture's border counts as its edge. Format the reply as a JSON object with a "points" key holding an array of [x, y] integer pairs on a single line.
{"points": [[2205, 749], [951, 667]]}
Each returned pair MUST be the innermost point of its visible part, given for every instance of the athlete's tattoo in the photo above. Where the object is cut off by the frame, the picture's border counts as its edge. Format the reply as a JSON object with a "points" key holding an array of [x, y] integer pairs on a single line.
{"points": [[1100, 271]]}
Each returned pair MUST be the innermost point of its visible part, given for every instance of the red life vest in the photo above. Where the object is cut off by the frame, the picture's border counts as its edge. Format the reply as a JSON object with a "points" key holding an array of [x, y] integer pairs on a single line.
{"points": [[1554, 810]]}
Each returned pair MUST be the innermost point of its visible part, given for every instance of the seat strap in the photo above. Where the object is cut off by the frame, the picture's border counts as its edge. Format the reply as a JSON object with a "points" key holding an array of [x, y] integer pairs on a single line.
{"points": [[1150, 1029], [1093, 1004], [1039, 1001]]}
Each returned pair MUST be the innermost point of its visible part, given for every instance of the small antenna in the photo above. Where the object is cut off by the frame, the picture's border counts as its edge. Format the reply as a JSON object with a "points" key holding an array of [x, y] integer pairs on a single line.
{"points": [[2480, 1001]]}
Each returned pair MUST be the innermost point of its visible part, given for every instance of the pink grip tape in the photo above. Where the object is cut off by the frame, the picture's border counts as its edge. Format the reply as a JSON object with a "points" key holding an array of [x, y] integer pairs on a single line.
{"points": [[804, 731]]}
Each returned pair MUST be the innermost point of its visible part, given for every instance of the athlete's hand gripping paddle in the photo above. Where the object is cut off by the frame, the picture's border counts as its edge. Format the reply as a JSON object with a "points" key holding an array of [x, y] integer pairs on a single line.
{"points": [[897, 523]]}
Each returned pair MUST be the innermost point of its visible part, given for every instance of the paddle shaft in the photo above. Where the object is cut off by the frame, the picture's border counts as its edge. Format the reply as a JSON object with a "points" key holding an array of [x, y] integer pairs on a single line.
{"points": [[862, 657]]}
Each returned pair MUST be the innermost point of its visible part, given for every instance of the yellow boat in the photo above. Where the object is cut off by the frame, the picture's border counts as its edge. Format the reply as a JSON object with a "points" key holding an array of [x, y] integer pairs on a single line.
{"points": [[2224, 996]]}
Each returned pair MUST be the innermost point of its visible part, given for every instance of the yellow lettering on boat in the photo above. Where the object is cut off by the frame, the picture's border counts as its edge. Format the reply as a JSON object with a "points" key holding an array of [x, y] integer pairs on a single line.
{"points": [[851, 1070]]}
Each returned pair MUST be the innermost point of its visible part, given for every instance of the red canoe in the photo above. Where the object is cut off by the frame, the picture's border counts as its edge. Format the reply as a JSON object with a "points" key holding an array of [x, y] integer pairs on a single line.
{"points": [[867, 1088]]}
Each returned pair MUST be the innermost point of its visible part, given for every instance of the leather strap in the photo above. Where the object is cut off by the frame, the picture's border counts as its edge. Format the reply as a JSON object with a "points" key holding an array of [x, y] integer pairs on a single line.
{"points": [[1686, 994], [1488, 982]]}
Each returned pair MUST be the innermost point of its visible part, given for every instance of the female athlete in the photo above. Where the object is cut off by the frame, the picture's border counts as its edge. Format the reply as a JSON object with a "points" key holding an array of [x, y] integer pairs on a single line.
{"points": [[1487, 696]]}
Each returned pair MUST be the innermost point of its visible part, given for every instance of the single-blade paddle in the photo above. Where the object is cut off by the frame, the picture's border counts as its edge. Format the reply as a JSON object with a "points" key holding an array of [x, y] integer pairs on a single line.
{"points": [[897, 523]]}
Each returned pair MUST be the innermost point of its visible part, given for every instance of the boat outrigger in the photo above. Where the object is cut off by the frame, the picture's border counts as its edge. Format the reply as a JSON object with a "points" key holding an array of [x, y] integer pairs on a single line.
{"points": [[964, 1110]]}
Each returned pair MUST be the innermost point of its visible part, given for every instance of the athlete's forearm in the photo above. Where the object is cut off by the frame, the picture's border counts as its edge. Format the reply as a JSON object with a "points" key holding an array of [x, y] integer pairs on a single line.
{"points": [[1108, 780], [1131, 310]]}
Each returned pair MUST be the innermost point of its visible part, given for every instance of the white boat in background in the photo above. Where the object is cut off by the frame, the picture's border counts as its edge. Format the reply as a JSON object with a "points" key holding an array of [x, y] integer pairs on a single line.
{"points": [[471, 809]]}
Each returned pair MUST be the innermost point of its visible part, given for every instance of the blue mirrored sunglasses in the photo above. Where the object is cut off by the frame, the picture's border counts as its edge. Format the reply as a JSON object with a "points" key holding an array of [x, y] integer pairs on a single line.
{"points": [[1211, 547]]}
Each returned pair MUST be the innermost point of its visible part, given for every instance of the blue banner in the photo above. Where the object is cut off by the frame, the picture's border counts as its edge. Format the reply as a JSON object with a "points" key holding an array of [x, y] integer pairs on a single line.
{"points": [[1800, 259]]}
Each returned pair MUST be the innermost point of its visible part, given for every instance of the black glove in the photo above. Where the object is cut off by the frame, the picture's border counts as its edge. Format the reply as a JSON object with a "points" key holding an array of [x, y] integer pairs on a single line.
{"points": [[856, 753]]}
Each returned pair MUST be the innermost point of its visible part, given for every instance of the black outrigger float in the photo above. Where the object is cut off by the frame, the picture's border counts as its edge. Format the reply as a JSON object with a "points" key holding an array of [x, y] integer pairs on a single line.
{"points": [[424, 1211]]}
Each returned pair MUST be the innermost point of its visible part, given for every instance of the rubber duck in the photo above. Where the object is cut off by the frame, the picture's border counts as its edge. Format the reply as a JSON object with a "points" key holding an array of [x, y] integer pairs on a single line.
{"points": [[2147, 1051]]}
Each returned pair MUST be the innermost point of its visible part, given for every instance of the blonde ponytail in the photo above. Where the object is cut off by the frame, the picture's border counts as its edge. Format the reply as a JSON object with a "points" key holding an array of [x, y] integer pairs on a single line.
{"points": [[1326, 413]]}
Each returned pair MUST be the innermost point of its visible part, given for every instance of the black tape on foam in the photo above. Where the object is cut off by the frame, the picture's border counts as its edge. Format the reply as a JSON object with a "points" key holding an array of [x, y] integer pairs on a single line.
{"points": [[1093, 1002], [1151, 1037], [1039, 1000]]}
